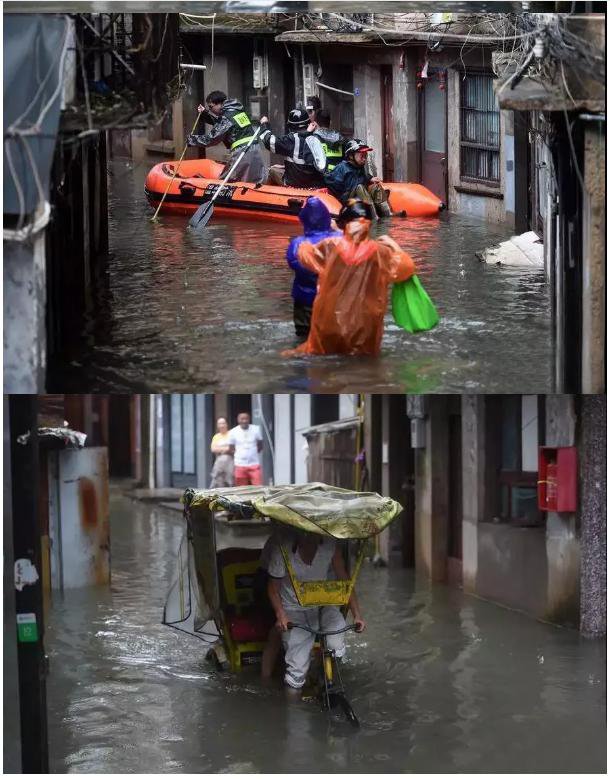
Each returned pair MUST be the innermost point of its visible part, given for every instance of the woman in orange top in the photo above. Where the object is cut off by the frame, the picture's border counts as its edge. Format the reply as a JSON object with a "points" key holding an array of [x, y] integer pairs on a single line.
{"points": [[354, 272]]}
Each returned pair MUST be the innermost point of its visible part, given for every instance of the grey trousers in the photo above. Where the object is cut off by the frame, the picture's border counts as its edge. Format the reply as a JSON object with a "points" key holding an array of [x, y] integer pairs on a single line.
{"points": [[223, 472], [299, 643], [252, 167]]}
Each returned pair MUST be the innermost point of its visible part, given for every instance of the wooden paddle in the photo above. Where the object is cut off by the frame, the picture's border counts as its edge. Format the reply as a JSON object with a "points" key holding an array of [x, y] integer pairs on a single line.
{"points": [[204, 213], [176, 171]]}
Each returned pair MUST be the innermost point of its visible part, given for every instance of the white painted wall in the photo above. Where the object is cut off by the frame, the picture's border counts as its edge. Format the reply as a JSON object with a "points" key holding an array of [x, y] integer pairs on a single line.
{"points": [[529, 432], [347, 406], [284, 439], [302, 420]]}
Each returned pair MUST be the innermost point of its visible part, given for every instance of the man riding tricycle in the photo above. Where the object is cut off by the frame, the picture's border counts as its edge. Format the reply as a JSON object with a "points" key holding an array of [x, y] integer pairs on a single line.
{"points": [[308, 541]]}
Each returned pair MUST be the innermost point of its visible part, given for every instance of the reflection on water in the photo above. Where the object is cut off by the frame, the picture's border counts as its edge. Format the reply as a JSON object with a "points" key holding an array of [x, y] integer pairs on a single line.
{"points": [[213, 310], [440, 682]]}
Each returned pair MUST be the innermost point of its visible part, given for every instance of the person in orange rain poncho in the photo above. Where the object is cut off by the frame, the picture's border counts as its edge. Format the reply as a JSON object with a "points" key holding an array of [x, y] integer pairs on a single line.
{"points": [[354, 272]]}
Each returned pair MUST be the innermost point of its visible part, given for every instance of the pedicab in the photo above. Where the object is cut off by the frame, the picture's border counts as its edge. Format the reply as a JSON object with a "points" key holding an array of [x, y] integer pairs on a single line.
{"points": [[215, 595]]}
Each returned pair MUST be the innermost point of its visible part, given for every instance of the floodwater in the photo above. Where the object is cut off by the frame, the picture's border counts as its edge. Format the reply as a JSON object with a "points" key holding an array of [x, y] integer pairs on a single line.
{"points": [[441, 683], [176, 310]]}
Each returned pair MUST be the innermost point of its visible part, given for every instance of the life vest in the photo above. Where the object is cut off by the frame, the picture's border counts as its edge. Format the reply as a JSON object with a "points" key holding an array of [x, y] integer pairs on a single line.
{"points": [[334, 154], [332, 143], [242, 126]]}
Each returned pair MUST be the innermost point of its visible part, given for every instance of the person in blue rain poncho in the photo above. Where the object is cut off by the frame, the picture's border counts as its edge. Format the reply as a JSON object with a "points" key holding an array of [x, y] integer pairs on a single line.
{"points": [[316, 220]]}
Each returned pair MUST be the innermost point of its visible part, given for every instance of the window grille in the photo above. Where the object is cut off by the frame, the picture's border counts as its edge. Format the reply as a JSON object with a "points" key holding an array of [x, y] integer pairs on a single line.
{"points": [[479, 130]]}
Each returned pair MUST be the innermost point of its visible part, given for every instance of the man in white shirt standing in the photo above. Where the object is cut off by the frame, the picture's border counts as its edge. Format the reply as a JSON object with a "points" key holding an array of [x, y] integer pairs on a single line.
{"points": [[246, 443]]}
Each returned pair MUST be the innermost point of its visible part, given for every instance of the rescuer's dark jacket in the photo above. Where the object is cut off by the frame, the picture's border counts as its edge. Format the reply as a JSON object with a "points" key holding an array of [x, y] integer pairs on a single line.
{"points": [[233, 127], [304, 162], [344, 179]]}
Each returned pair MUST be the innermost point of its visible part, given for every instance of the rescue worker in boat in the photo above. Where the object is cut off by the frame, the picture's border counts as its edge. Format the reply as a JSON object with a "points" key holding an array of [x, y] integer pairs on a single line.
{"points": [[351, 180], [332, 141], [316, 221], [305, 160], [313, 106], [354, 272], [232, 126]]}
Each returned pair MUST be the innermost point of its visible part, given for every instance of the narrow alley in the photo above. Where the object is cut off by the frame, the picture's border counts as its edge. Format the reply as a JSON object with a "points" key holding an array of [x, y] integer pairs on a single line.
{"points": [[442, 682], [160, 311]]}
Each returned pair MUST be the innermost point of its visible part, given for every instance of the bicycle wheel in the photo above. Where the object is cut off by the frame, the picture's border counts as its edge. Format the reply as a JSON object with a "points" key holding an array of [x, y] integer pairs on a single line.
{"points": [[347, 709]]}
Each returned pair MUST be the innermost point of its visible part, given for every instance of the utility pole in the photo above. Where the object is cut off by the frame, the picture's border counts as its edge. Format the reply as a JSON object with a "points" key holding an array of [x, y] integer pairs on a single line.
{"points": [[28, 583]]}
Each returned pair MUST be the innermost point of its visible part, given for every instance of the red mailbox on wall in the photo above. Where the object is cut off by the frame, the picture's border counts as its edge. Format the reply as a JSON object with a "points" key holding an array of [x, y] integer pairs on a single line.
{"points": [[557, 478]]}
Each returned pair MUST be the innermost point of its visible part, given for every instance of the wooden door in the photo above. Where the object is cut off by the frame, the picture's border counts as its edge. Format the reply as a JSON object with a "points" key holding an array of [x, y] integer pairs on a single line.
{"points": [[388, 144], [433, 134]]}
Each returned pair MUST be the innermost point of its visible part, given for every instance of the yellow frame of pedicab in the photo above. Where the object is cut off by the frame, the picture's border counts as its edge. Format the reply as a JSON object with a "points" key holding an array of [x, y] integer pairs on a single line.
{"points": [[334, 592]]}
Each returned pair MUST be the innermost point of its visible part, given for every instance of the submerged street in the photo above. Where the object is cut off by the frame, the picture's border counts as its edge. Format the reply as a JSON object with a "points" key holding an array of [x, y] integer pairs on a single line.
{"points": [[173, 310], [441, 682]]}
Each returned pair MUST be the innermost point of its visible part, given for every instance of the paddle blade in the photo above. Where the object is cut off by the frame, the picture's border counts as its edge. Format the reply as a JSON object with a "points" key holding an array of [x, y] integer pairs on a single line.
{"points": [[201, 216]]}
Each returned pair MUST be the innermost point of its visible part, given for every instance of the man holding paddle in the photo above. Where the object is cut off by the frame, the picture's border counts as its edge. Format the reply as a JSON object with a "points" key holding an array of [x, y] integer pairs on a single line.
{"points": [[232, 126]]}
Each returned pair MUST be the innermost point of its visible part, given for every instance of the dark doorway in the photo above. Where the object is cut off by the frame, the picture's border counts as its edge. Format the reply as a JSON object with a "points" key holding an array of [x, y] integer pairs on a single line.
{"points": [[238, 404], [433, 133], [454, 535], [324, 408], [119, 435], [387, 101], [401, 475]]}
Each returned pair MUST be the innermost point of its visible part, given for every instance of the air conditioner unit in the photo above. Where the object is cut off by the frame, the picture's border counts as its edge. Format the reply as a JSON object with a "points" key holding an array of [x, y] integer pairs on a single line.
{"points": [[309, 81], [258, 72], [441, 18]]}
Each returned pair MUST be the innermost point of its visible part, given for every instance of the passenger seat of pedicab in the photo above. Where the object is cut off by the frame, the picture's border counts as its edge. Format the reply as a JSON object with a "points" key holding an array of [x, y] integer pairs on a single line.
{"points": [[247, 613]]}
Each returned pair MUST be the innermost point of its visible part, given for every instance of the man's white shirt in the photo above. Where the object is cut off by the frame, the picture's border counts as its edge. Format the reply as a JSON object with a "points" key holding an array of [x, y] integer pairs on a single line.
{"points": [[245, 443]]}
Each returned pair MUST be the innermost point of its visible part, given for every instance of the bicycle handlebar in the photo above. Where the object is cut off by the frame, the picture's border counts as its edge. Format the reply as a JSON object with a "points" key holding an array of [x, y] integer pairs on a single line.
{"points": [[322, 632]]}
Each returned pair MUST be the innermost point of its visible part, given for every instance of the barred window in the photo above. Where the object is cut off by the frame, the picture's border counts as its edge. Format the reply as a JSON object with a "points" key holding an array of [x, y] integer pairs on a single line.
{"points": [[479, 129]]}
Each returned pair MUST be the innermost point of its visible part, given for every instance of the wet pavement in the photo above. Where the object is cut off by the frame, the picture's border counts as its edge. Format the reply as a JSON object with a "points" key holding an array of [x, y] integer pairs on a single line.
{"points": [[172, 310], [441, 682]]}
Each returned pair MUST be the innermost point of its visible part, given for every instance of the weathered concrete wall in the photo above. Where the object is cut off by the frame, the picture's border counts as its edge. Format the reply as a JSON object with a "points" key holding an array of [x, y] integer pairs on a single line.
{"points": [[406, 163], [24, 279], [278, 110], [512, 567], [562, 543], [594, 261], [431, 494], [508, 145], [593, 532], [367, 111], [473, 485]]}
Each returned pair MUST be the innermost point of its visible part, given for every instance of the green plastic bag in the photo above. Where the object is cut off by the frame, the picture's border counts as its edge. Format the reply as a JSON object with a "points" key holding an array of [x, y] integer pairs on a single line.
{"points": [[412, 309]]}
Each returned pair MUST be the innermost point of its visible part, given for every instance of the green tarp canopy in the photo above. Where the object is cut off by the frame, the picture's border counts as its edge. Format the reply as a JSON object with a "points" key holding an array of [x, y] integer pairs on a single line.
{"points": [[315, 508]]}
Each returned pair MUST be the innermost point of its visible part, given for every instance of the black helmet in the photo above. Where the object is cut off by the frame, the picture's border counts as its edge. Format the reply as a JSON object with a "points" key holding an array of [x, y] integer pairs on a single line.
{"points": [[354, 209], [351, 147], [298, 119]]}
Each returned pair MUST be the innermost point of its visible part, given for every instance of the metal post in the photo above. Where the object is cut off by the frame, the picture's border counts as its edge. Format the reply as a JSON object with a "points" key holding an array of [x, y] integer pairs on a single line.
{"points": [[28, 599]]}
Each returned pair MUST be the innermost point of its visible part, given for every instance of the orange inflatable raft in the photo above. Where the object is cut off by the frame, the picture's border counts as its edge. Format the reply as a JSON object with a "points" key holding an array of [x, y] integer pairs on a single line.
{"points": [[197, 181]]}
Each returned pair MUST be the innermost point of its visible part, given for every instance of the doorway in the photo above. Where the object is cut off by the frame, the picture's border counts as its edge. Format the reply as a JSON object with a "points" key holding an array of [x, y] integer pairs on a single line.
{"points": [[120, 436], [238, 404], [388, 143], [433, 133]]}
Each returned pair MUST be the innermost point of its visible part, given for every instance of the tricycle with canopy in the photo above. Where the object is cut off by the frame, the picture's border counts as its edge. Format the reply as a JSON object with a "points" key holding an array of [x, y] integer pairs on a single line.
{"points": [[215, 595]]}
